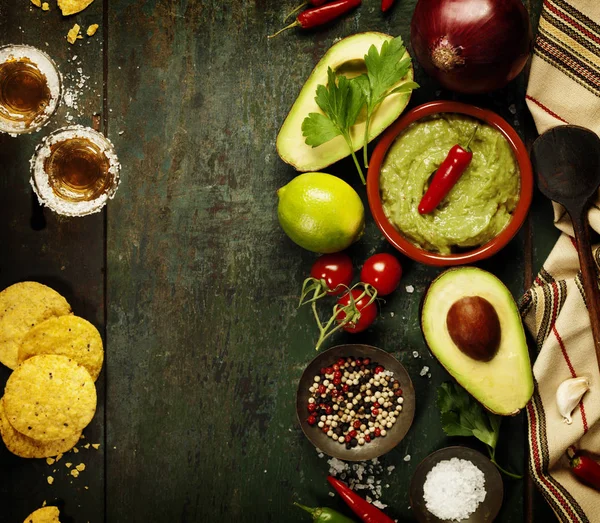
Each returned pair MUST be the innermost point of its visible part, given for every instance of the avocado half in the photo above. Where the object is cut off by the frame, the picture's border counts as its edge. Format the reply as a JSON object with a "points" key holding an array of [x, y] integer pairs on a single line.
{"points": [[504, 383], [347, 57]]}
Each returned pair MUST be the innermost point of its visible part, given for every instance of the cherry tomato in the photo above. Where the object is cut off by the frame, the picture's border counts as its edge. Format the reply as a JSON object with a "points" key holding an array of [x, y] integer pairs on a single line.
{"points": [[336, 269], [368, 311], [383, 271]]}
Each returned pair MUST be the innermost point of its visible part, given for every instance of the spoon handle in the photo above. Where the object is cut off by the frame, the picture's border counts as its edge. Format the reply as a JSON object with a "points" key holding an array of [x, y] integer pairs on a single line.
{"points": [[589, 277]]}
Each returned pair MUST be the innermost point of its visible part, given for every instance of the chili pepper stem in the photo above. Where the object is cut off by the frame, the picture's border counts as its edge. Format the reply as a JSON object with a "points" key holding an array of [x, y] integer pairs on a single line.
{"points": [[291, 13], [303, 507], [472, 136], [294, 24]]}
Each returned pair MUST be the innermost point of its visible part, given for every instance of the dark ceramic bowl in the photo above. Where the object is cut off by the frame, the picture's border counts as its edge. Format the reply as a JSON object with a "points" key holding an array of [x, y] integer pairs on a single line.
{"points": [[378, 446], [395, 237], [486, 511]]}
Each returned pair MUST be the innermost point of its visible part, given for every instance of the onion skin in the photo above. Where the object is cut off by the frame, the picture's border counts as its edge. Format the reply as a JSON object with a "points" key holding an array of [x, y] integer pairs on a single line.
{"points": [[471, 46]]}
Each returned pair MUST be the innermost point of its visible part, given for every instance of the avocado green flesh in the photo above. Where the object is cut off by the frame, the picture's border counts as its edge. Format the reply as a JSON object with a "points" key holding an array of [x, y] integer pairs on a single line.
{"points": [[504, 384], [481, 202], [347, 57]]}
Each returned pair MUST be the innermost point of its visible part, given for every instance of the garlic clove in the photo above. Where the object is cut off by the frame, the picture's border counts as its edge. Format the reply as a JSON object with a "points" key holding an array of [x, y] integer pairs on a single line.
{"points": [[568, 396]]}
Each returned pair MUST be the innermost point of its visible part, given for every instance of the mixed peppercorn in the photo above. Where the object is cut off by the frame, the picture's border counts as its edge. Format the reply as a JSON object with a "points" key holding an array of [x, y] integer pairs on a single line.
{"points": [[354, 401]]}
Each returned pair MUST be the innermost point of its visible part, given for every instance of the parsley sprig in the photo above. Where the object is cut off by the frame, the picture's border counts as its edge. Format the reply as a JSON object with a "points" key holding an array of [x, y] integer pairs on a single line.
{"points": [[385, 68], [463, 416], [343, 99]]}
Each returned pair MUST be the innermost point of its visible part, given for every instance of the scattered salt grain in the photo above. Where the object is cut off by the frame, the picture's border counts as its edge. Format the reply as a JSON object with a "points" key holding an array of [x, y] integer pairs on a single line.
{"points": [[379, 504], [407, 457], [391, 314], [454, 489], [360, 476], [424, 371], [415, 354], [410, 289], [331, 494]]}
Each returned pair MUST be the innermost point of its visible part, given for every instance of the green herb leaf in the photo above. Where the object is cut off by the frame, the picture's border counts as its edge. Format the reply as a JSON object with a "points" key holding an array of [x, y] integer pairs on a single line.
{"points": [[404, 88], [341, 102], [319, 129], [463, 416], [385, 68]]}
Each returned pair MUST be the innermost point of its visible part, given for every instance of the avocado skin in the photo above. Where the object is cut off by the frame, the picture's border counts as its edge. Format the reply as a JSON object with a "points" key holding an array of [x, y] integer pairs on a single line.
{"points": [[290, 143], [504, 384]]}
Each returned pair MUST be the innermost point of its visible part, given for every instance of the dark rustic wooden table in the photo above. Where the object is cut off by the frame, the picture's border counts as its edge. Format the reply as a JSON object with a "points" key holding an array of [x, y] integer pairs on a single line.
{"points": [[192, 282]]}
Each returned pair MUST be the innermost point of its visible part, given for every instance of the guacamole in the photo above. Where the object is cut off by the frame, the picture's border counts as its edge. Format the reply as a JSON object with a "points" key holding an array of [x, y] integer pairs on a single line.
{"points": [[476, 209]]}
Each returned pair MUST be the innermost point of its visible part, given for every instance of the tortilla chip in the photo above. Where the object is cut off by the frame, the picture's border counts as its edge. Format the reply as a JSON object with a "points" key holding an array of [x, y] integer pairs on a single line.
{"points": [[45, 6], [44, 515], [37, 3], [91, 30], [49, 397], [25, 447], [70, 7], [69, 336], [73, 34], [23, 306]]}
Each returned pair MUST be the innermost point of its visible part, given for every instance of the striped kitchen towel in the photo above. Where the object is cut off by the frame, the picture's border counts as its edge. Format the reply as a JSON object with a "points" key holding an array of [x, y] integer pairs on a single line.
{"points": [[564, 87]]}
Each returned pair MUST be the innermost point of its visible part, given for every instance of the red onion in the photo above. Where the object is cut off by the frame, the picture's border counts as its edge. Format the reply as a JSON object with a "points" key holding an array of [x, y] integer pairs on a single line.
{"points": [[471, 46]]}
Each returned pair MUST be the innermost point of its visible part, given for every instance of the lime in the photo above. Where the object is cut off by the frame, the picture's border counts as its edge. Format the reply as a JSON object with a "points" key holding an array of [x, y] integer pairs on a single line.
{"points": [[320, 212]]}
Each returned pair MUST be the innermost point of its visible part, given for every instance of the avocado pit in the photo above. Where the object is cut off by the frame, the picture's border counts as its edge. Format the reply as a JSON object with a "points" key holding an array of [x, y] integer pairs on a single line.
{"points": [[474, 327]]}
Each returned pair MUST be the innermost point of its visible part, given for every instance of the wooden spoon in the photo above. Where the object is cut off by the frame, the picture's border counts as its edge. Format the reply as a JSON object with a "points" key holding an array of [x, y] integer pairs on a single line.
{"points": [[566, 160]]}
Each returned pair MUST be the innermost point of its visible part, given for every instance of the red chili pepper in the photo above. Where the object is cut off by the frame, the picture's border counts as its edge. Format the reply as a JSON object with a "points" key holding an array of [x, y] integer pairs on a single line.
{"points": [[321, 15], [448, 173], [314, 3], [585, 468], [386, 4], [361, 507]]}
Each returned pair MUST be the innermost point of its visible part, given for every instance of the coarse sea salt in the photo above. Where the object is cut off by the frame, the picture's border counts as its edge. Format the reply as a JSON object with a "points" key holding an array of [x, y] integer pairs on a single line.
{"points": [[453, 489], [361, 476]]}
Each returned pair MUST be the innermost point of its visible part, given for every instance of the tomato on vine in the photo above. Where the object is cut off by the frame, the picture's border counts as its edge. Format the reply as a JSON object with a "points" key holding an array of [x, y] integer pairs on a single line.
{"points": [[383, 271], [362, 310], [335, 271]]}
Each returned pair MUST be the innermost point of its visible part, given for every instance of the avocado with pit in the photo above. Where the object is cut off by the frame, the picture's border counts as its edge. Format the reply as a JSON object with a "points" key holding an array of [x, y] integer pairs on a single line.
{"points": [[345, 57], [472, 326]]}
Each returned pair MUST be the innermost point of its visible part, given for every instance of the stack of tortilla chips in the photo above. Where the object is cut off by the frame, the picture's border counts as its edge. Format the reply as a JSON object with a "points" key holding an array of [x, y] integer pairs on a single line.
{"points": [[50, 397]]}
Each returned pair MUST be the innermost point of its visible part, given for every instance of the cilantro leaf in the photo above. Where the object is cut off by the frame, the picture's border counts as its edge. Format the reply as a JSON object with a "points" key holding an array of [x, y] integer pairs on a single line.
{"points": [[341, 102], [461, 415], [385, 68]]}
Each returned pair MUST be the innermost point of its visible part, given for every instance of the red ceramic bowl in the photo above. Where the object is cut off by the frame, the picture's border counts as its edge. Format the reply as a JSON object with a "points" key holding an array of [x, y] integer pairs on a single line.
{"points": [[396, 238]]}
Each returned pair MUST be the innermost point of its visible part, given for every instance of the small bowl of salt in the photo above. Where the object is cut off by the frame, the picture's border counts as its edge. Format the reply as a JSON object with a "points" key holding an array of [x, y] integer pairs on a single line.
{"points": [[456, 484]]}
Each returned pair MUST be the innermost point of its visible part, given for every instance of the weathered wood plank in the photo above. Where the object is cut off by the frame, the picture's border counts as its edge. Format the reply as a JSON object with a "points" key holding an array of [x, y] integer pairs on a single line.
{"points": [[66, 254], [207, 344]]}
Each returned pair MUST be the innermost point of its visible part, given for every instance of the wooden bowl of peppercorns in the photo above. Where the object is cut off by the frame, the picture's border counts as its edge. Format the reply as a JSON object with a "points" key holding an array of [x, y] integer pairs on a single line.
{"points": [[355, 402]]}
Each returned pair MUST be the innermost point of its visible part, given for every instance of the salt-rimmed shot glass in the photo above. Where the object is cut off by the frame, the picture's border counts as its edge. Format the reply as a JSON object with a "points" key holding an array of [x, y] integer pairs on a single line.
{"points": [[30, 89], [75, 171]]}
